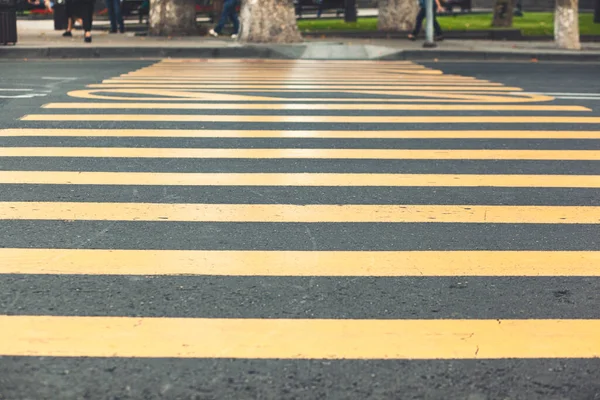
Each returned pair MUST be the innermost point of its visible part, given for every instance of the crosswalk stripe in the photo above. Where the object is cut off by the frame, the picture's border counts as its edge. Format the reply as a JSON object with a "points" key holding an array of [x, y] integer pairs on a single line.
{"points": [[315, 79], [300, 263], [295, 213], [285, 82], [172, 95], [316, 134], [283, 153], [297, 338], [306, 106], [350, 119], [319, 87], [296, 179]]}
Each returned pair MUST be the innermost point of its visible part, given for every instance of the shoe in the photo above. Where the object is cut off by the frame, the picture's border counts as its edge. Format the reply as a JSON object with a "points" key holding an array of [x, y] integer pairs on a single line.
{"points": [[67, 34], [439, 38], [412, 37], [122, 29], [112, 31], [87, 39], [234, 36], [213, 33]]}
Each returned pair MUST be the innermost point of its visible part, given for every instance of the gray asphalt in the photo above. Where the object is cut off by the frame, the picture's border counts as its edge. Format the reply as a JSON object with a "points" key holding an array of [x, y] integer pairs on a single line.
{"points": [[298, 297]]}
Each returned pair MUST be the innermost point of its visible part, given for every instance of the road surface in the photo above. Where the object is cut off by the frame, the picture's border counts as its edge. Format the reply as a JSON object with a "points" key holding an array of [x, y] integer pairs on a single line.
{"points": [[215, 229]]}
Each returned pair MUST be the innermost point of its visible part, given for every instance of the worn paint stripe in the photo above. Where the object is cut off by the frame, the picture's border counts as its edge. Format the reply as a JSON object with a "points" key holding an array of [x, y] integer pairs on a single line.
{"points": [[314, 119], [296, 179], [319, 87], [305, 106], [295, 213], [319, 134], [297, 338], [388, 154], [299, 263]]}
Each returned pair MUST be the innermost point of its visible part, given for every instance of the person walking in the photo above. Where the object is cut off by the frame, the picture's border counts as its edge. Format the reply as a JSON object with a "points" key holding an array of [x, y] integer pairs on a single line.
{"points": [[81, 10], [229, 12], [421, 16], [115, 15]]}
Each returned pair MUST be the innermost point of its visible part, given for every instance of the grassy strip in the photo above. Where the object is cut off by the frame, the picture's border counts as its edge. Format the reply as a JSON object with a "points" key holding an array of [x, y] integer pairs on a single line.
{"points": [[531, 24]]}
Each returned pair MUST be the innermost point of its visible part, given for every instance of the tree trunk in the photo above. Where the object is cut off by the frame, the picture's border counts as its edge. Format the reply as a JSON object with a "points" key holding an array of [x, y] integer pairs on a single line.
{"points": [[503, 14], [397, 15], [173, 18], [566, 24], [268, 21]]}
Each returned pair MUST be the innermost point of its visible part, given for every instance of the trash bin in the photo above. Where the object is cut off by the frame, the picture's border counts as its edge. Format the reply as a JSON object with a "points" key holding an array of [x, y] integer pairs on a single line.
{"points": [[61, 22], [8, 22]]}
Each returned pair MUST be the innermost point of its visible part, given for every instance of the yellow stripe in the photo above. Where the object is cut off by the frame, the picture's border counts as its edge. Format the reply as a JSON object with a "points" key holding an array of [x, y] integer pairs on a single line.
{"points": [[300, 263], [300, 106], [330, 80], [295, 179], [297, 338], [319, 87], [295, 213], [172, 95], [392, 154], [209, 133], [312, 119], [282, 81]]}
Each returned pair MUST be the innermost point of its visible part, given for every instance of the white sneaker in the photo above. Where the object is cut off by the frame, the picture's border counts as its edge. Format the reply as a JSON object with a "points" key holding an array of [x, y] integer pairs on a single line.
{"points": [[213, 33], [234, 36]]}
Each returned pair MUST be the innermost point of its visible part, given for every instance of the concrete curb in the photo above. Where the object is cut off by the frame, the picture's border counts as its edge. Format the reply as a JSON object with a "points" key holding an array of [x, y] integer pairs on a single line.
{"points": [[311, 51]]}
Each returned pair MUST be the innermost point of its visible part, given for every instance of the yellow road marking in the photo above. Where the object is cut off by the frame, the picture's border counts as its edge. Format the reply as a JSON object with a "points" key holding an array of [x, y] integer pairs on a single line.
{"points": [[307, 73], [288, 84], [296, 179], [301, 106], [391, 154], [209, 133], [297, 338], [313, 88], [299, 263], [269, 80], [294, 213], [406, 96], [434, 119]]}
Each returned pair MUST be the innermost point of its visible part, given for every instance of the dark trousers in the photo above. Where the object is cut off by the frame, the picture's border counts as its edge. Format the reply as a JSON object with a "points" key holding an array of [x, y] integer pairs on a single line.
{"points": [[83, 9], [421, 16], [115, 15], [229, 13], [87, 14]]}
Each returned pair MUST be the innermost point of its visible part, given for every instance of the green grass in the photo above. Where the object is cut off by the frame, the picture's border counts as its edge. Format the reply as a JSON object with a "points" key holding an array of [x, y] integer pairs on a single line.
{"points": [[531, 24]]}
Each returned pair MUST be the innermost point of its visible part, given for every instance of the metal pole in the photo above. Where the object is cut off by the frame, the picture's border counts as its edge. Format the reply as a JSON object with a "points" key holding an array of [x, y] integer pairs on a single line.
{"points": [[429, 41]]}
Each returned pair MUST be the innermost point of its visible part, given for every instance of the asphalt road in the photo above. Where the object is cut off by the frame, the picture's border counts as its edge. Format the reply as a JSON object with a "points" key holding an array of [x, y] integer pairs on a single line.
{"points": [[494, 307]]}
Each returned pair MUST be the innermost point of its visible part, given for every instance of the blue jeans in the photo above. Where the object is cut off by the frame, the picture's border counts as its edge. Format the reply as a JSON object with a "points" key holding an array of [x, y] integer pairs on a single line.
{"points": [[114, 12], [229, 13]]}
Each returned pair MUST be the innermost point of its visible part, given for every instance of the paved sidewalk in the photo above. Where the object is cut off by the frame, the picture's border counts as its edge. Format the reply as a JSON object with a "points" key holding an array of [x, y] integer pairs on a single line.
{"points": [[38, 39]]}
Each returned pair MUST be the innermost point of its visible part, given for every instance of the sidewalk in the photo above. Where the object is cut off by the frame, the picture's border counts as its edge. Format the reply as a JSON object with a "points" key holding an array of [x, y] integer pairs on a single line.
{"points": [[38, 39]]}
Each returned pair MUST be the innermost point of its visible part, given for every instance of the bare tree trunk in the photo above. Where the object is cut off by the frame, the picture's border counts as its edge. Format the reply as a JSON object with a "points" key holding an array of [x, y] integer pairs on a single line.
{"points": [[397, 15], [173, 18], [566, 24], [268, 21], [503, 14]]}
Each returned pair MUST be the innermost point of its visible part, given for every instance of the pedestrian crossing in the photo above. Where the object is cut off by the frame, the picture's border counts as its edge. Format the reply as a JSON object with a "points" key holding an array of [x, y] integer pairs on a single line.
{"points": [[265, 113]]}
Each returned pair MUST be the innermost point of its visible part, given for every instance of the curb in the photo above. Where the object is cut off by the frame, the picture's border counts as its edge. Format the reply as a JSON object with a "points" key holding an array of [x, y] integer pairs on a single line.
{"points": [[292, 52]]}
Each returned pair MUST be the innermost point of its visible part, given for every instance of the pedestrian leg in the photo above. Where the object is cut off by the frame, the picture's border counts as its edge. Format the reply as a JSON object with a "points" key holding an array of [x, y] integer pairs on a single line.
{"points": [[87, 19], [110, 7], [418, 24]]}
